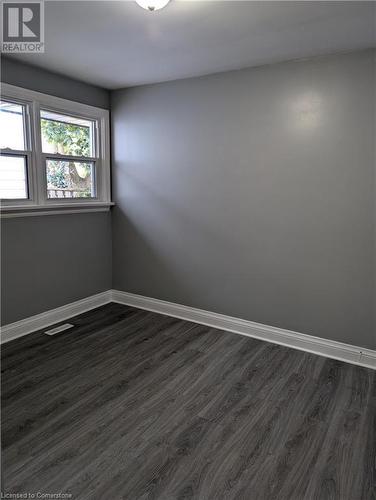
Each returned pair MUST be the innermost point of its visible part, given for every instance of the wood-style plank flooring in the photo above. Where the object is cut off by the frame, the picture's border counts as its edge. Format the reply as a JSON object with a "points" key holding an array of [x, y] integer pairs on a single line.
{"points": [[134, 405]]}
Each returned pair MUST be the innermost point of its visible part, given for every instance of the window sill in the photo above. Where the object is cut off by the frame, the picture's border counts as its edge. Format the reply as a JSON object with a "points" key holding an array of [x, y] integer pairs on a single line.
{"points": [[10, 212]]}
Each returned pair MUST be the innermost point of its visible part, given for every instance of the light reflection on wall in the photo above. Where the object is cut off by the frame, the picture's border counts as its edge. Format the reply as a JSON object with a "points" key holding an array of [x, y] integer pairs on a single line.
{"points": [[307, 111]]}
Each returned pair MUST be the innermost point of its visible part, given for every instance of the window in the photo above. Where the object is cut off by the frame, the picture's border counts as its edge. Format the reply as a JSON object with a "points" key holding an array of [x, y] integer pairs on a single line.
{"points": [[15, 157], [54, 152], [63, 137]]}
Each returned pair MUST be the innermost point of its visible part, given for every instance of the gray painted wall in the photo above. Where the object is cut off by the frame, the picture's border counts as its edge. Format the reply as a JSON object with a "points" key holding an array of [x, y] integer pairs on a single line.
{"points": [[53, 260], [252, 194], [40, 80], [80, 244]]}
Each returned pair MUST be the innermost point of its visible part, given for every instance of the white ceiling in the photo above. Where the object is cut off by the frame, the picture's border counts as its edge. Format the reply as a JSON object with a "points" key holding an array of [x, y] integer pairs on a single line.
{"points": [[118, 44]]}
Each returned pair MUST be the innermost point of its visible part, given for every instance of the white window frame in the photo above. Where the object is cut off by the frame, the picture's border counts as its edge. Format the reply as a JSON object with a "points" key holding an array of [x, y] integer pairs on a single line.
{"points": [[38, 202]]}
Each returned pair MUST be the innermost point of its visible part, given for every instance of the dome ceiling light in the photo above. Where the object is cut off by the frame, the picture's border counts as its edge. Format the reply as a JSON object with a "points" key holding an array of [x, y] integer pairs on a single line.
{"points": [[152, 5]]}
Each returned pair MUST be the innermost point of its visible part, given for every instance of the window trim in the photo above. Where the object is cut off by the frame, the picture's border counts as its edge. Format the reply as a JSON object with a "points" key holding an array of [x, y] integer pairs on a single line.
{"points": [[38, 201]]}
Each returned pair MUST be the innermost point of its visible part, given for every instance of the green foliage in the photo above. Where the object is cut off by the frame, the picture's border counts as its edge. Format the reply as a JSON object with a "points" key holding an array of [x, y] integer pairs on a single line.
{"points": [[67, 138], [56, 174]]}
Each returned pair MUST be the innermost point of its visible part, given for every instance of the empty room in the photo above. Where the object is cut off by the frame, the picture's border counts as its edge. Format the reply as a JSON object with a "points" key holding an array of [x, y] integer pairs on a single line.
{"points": [[188, 250]]}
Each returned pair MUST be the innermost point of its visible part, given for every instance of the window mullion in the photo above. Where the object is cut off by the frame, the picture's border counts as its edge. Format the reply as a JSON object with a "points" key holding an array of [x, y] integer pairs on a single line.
{"points": [[39, 170], [29, 144]]}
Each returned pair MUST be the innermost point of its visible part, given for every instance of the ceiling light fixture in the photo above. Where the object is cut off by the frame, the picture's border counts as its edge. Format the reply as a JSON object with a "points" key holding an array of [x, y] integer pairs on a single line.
{"points": [[152, 5]]}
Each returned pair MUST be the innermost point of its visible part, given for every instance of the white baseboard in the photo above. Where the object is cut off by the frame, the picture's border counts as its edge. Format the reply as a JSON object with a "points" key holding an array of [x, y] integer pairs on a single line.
{"points": [[295, 340], [39, 321]]}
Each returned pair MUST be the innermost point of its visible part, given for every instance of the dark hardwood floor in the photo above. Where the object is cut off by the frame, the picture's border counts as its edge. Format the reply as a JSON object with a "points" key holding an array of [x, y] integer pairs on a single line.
{"points": [[134, 405]]}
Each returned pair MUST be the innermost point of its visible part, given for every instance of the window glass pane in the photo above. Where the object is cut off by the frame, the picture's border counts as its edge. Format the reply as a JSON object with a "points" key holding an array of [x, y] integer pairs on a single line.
{"points": [[13, 178], [12, 119], [66, 135], [70, 179]]}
